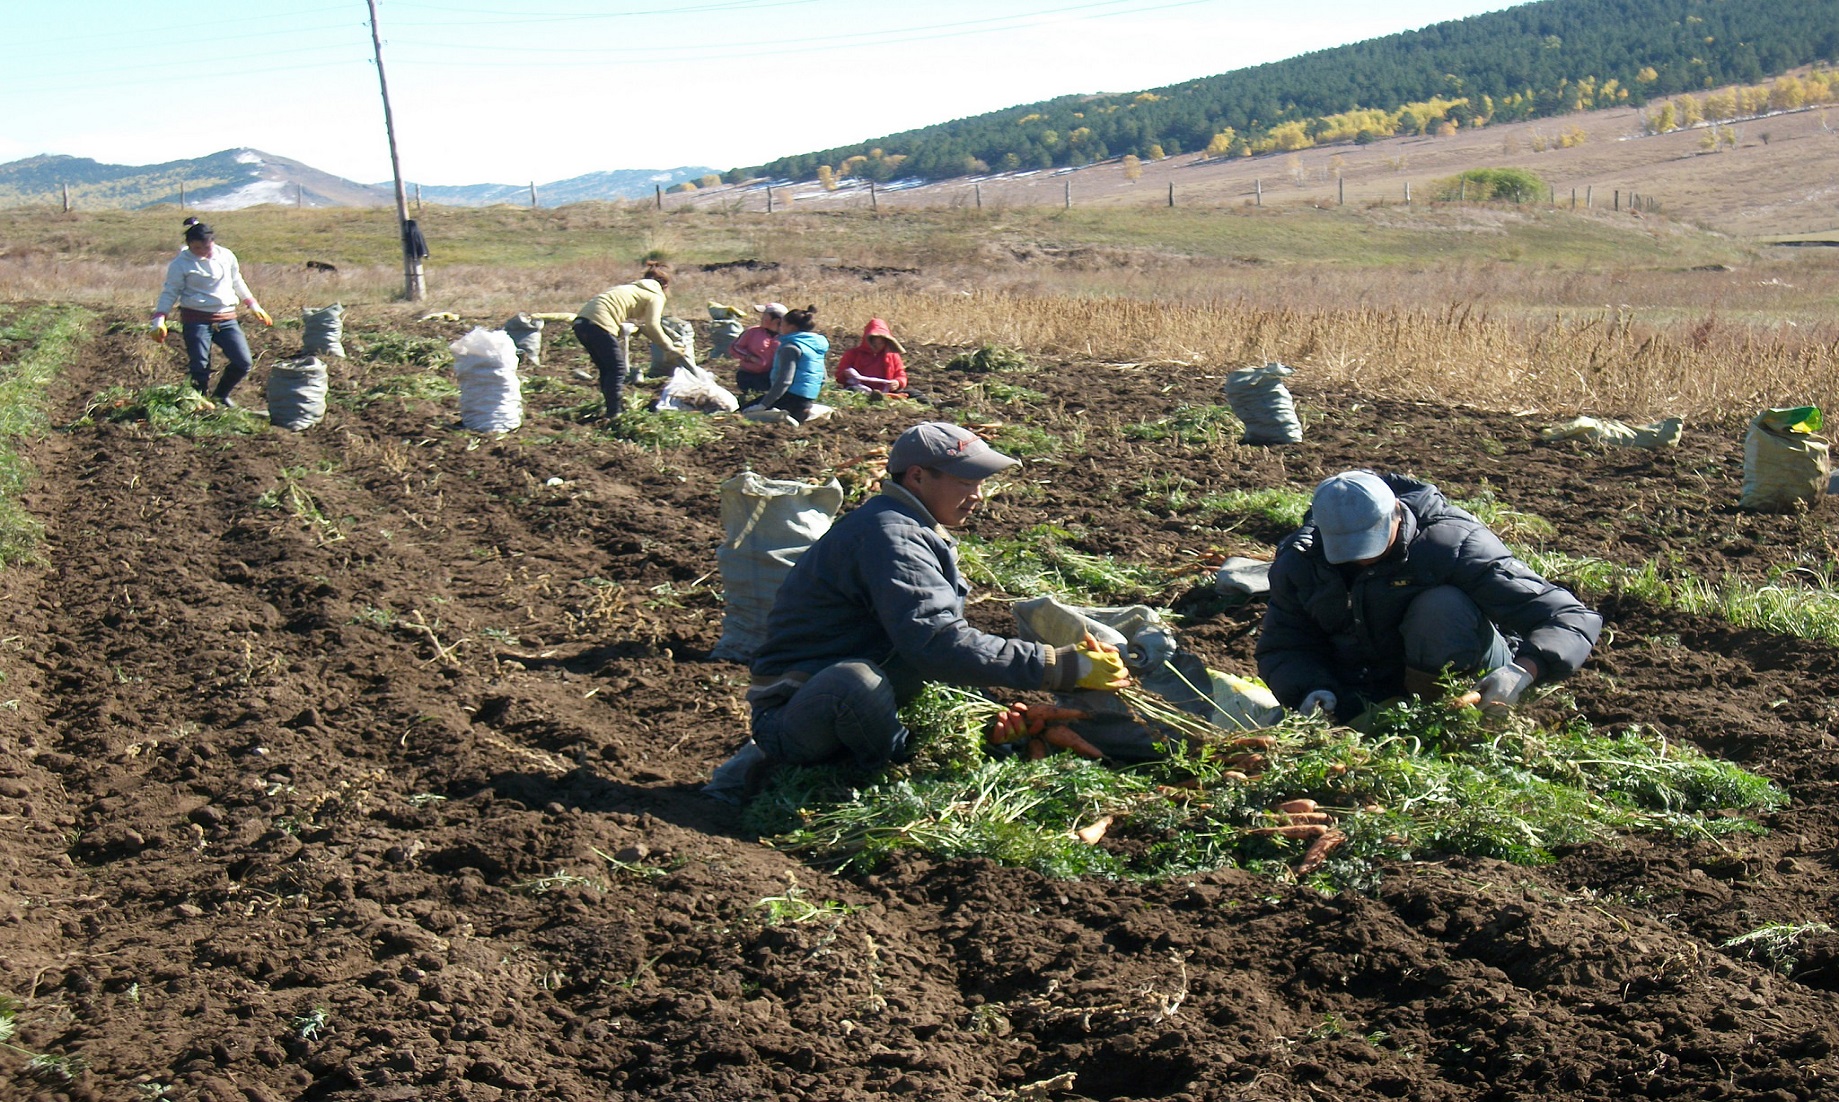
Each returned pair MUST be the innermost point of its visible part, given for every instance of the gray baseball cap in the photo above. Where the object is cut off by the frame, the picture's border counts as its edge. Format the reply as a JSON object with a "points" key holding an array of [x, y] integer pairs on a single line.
{"points": [[939, 446], [1353, 512]]}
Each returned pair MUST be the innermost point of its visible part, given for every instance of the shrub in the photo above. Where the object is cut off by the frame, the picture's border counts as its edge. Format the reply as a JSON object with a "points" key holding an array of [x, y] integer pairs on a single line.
{"points": [[1510, 185]]}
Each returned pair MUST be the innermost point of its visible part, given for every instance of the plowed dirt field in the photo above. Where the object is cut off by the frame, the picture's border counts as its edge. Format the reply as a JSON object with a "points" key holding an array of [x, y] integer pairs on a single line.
{"points": [[315, 748]]}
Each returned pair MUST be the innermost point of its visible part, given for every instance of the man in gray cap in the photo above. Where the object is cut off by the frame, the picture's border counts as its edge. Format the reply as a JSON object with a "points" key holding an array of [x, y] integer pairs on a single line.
{"points": [[875, 608], [1387, 584]]}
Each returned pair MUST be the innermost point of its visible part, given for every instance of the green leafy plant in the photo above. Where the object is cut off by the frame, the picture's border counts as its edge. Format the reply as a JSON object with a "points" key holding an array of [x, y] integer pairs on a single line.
{"points": [[172, 409], [423, 386], [311, 1025], [989, 358], [399, 348], [1040, 561], [1776, 944], [1025, 441], [1191, 425], [664, 428], [793, 909], [1427, 779], [49, 336], [1510, 185]]}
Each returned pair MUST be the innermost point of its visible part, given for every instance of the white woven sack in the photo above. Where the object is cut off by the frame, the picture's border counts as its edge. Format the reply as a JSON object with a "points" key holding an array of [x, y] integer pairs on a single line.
{"points": [[768, 523], [1782, 470], [491, 397]]}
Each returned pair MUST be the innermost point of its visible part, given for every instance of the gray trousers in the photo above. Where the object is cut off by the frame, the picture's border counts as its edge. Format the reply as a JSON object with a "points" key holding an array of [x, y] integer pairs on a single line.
{"points": [[1444, 627], [845, 711]]}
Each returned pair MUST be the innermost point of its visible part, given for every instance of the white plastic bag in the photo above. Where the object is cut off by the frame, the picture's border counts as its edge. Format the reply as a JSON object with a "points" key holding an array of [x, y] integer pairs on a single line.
{"points": [[491, 397], [695, 390]]}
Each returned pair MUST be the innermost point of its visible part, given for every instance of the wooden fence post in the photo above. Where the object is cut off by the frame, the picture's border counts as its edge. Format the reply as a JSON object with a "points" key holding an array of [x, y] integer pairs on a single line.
{"points": [[1258, 193], [533, 195], [1341, 191], [1407, 192], [873, 204], [1067, 185], [769, 198], [1171, 194], [657, 192], [978, 188], [66, 198]]}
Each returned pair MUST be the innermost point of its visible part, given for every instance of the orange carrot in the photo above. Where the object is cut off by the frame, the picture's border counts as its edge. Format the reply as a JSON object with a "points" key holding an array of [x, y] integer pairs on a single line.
{"points": [[1318, 851], [1295, 830], [1068, 739], [1292, 806]]}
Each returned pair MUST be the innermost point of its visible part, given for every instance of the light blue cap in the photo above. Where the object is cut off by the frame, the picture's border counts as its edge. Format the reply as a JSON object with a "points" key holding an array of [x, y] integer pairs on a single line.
{"points": [[1353, 513]]}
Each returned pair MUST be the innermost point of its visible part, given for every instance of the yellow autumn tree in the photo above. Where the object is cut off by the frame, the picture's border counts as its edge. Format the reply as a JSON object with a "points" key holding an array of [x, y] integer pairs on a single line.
{"points": [[1133, 168]]}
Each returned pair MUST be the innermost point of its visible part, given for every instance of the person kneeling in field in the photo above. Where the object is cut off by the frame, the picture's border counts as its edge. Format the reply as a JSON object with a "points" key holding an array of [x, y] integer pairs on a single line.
{"points": [[875, 609], [1387, 584], [875, 365]]}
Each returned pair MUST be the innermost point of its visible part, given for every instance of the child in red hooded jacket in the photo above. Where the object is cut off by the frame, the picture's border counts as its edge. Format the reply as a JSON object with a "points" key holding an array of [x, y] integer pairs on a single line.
{"points": [[874, 366]]}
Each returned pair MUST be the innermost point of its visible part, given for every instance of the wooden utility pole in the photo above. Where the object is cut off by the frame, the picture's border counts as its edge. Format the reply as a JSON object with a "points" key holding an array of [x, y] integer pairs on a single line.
{"points": [[412, 286]]}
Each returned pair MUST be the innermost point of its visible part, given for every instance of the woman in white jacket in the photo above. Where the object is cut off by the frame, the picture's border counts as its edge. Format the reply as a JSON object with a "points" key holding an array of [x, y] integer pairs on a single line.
{"points": [[205, 283]]}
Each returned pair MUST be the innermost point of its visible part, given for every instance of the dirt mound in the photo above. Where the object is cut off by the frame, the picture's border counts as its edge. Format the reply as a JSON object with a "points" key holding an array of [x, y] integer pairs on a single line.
{"points": [[363, 763]]}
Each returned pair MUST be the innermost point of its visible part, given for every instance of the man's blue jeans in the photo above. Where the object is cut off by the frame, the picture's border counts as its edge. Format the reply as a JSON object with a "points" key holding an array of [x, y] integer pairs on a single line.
{"points": [[227, 335], [844, 711]]}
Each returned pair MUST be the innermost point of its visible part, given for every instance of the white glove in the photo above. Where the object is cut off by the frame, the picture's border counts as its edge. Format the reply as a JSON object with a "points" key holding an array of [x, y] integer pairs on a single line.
{"points": [[1321, 701], [1501, 689]]}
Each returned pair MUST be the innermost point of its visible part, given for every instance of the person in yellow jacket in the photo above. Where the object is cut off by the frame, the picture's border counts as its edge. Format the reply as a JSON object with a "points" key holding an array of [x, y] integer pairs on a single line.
{"points": [[597, 327]]}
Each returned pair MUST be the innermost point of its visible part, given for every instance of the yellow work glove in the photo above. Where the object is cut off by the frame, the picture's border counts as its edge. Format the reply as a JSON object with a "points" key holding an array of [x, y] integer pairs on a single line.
{"points": [[157, 328], [1100, 665], [261, 315]]}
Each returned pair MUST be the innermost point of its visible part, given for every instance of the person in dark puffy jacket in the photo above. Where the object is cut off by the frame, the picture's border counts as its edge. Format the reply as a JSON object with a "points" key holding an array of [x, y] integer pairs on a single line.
{"points": [[1387, 584], [875, 609]]}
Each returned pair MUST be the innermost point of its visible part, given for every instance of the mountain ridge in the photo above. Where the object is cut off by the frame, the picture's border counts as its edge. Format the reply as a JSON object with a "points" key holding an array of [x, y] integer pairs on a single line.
{"points": [[232, 179]]}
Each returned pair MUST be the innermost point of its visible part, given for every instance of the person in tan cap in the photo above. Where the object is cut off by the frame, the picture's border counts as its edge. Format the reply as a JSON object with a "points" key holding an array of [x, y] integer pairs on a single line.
{"points": [[875, 609]]}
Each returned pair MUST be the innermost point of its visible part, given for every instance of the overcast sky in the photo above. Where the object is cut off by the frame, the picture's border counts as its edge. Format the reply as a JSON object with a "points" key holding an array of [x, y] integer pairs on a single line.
{"points": [[511, 91]]}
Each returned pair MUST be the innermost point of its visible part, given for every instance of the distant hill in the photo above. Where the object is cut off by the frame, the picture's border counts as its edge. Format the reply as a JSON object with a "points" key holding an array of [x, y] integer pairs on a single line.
{"points": [[228, 180], [1533, 61], [626, 183], [237, 178]]}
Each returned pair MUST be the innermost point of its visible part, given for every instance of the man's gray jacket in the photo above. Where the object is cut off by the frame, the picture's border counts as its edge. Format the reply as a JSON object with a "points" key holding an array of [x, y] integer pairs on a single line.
{"points": [[882, 585]]}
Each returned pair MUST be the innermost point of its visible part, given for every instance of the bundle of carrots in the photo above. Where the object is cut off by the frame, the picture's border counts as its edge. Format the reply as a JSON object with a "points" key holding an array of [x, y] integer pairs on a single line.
{"points": [[1044, 726], [1303, 819]]}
